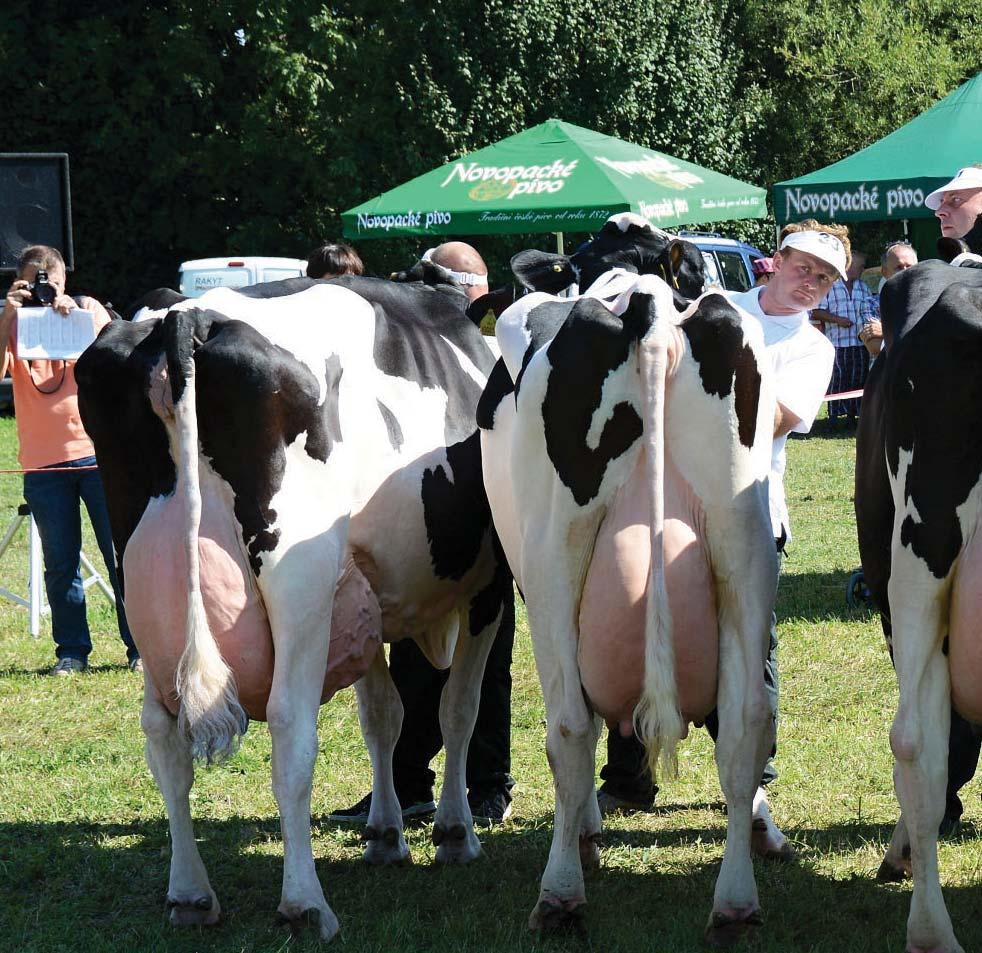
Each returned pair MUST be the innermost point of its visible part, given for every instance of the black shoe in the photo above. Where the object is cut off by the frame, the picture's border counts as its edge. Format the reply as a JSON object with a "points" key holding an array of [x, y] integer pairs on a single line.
{"points": [[69, 666], [950, 827], [491, 810], [612, 804], [358, 812]]}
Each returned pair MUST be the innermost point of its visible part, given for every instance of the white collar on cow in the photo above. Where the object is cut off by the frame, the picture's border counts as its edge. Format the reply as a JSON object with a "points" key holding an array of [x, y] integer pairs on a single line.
{"points": [[461, 277], [615, 287]]}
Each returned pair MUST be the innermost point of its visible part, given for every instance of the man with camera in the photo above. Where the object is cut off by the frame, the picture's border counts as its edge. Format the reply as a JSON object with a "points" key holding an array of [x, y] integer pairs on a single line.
{"points": [[58, 460]]}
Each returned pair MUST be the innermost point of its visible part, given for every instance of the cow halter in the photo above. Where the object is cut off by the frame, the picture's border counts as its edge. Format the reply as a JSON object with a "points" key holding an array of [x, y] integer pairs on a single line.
{"points": [[461, 277], [669, 275]]}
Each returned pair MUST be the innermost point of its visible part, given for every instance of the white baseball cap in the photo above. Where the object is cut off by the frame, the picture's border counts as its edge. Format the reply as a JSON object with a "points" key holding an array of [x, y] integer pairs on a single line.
{"points": [[967, 178], [822, 245]]}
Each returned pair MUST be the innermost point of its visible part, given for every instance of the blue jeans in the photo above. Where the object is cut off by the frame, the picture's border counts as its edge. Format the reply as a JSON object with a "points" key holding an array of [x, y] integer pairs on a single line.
{"points": [[54, 499]]}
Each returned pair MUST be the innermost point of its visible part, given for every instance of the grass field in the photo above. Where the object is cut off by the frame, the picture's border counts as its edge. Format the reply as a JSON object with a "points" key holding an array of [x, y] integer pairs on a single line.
{"points": [[84, 846]]}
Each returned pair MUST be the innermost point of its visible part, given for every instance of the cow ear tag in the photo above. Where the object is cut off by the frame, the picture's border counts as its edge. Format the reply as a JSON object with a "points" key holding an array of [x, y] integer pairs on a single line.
{"points": [[557, 267]]}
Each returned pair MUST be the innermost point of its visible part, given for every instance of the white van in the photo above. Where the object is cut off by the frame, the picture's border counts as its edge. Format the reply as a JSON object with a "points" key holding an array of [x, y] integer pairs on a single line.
{"points": [[196, 277]]}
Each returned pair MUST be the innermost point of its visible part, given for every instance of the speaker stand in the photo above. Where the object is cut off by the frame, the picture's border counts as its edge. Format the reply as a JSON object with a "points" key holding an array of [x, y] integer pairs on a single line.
{"points": [[35, 602]]}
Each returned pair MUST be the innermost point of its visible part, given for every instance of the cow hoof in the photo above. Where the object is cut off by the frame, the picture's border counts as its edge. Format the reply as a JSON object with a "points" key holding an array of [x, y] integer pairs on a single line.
{"points": [[202, 910], [313, 920], [953, 947], [559, 916], [386, 847], [456, 844], [441, 834], [768, 843], [724, 930], [590, 850], [890, 873]]}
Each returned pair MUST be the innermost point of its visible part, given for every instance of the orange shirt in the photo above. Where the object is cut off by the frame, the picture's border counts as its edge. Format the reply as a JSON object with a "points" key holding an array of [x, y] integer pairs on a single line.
{"points": [[49, 428]]}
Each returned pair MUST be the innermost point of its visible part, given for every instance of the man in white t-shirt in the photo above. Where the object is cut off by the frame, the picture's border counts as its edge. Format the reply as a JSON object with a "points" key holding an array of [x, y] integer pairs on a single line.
{"points": [[811, 259]]}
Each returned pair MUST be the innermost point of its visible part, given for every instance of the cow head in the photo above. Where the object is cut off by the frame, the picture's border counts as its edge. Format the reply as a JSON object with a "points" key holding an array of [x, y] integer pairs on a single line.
{"points": [[427, 272], [626, 241]]}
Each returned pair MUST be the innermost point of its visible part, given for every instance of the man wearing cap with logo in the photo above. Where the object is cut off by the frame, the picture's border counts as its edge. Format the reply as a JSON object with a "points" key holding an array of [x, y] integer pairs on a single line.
{"points": [[958, 206], [811, 258], [488, 770]]}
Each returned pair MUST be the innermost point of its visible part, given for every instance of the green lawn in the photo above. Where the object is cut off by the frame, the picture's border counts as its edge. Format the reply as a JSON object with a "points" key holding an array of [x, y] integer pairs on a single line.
{"points": [[83, 840]]}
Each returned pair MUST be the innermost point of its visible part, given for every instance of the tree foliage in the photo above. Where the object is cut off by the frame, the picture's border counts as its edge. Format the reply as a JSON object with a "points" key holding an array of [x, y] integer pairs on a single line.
{"points": [[837, 76], [200, 129]]}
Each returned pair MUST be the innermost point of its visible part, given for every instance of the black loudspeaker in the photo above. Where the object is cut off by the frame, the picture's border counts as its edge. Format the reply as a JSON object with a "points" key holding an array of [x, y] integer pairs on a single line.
{"points": [[35, 205]]}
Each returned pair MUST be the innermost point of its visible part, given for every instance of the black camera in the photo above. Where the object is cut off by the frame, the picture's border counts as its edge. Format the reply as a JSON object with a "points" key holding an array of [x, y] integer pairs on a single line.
{"points": [[43, 293]]}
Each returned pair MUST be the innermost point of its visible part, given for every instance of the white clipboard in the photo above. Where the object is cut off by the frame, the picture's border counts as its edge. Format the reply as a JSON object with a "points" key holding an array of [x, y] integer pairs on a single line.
{"points": [[44, 334]]}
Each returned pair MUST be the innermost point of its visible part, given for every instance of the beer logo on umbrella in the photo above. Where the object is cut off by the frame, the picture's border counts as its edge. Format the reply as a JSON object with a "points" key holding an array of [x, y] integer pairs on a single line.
{"points": [[492, 189]]}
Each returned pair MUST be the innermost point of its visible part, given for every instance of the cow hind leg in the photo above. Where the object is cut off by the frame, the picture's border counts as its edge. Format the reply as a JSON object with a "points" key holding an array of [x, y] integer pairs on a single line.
{"points": [[896, 862], [919, 739], [745, 736], [380, 712], [591, 828], [190, 899], [571, 746], [453, 828], [300, 618]]}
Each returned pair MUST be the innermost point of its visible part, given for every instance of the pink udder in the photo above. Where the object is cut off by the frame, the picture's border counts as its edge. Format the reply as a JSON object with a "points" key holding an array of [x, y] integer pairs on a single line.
{"points": [[612, 609], [155, 569], [964, 643]]}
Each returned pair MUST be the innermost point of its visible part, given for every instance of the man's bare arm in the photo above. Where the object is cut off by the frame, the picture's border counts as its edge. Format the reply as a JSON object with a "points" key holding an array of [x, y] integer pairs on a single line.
{"points": [[784, 420], [827, 317]]}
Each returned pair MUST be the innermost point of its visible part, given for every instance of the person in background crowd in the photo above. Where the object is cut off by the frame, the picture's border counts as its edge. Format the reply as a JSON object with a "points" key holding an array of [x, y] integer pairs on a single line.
{"points": [[897, 256], [465, 265], [488, 771], [811, 258], [60, 462], [762, 268], [333, 260], [844, 311]]}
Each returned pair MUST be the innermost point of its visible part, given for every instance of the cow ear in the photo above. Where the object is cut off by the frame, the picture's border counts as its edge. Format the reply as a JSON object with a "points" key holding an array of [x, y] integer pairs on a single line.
{"points": [[950, 248], [542, 271], [676, 252], [484, 311], [479, 310]]}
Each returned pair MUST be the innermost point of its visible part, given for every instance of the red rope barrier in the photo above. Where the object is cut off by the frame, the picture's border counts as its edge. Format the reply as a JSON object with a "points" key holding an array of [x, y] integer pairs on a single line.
{"points": [[844, 395]]}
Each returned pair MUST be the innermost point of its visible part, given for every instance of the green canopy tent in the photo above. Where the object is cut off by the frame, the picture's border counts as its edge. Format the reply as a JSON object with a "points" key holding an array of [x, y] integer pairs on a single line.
{"points": [[889, 180], [554, 177]]}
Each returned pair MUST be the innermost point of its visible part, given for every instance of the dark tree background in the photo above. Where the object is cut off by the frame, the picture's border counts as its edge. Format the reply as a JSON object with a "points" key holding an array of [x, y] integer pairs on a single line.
{"points": [[198, 129]]}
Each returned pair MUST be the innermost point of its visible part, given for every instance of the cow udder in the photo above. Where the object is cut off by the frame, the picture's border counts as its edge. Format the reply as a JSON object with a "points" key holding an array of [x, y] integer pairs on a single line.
{"points": [[612, 608]]}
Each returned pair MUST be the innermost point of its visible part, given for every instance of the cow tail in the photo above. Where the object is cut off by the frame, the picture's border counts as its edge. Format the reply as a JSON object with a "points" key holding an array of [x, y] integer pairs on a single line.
{"points": [[656, 717], [210, 715]]}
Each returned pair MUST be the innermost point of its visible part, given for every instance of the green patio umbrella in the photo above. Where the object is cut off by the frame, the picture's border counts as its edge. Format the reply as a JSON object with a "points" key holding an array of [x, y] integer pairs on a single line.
{"points": [[889, 180], [554, 177]]}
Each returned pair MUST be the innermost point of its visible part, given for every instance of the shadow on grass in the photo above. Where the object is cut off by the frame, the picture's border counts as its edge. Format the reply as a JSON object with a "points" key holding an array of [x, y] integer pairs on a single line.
{"points": [[817, 596], [105, 883], [824, 429], [14, 672]]}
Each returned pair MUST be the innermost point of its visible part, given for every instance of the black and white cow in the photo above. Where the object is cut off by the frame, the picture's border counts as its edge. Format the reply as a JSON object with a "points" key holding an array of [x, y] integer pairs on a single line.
{"points": [[627, 242], [626, 452], [918, 508], [293, 475]]}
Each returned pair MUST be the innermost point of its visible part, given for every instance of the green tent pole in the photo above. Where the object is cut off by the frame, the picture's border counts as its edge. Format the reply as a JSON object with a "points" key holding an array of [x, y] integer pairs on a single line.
{"points": [[559, 243]]}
